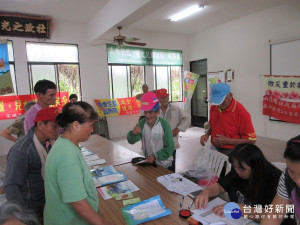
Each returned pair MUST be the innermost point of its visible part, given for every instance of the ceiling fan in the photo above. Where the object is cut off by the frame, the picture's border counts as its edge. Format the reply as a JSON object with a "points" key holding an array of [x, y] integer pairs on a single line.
{"points": [[120, 40]]}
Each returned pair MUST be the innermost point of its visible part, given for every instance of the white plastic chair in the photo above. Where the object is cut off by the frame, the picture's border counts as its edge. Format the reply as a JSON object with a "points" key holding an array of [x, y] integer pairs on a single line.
{"points": [[213, 160], [280, 165]]}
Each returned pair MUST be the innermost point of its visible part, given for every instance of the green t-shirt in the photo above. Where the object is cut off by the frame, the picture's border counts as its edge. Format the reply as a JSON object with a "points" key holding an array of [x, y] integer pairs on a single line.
{"points": [[67, 179]]}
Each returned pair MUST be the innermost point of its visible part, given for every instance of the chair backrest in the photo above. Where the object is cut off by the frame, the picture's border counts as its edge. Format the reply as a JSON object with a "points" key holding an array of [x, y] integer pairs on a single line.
{"points": [[280, 165], [215, 161]]}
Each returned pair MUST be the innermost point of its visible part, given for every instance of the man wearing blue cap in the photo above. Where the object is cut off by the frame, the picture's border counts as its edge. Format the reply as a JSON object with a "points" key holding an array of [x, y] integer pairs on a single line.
{"points": [[230, 123]]}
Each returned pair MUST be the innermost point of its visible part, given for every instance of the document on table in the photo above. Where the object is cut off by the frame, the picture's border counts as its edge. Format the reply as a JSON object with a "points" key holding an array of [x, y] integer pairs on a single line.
{"points": [[96, 162], [179, 184], [207, 217]]}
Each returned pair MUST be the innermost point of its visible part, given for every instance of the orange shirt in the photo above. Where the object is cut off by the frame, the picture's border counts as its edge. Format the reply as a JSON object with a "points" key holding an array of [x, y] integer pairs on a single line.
{"points": [[234, 122]]}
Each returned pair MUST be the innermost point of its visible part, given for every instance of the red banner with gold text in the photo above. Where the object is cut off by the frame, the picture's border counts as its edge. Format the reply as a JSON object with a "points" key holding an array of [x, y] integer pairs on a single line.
{"points": [[12, 106], [280, 109]]}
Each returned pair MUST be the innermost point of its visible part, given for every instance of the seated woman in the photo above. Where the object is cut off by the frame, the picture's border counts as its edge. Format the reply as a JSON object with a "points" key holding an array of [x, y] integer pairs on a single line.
{"points": [[288, 192], [155, 132], [71, 196], [252, 181]]}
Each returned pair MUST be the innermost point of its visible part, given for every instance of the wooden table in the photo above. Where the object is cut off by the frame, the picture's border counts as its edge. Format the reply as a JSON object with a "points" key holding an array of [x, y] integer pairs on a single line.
{"points": [[113, 153], [145, 179]]}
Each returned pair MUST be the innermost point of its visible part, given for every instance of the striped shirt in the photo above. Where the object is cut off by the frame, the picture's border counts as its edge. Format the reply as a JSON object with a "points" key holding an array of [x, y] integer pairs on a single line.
{"points": [[282, 190]]}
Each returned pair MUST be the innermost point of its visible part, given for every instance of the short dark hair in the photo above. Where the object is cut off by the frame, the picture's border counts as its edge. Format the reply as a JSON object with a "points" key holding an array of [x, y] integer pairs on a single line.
{"points": [[77, 111], [292, 150], [73, 96], [43, 85]]}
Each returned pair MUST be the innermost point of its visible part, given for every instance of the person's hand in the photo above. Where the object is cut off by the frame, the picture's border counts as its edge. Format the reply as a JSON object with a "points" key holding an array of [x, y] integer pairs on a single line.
{"points": [[175, 132], [202, 200], [151, 159], [203, 139], [220, 140], [136, 130], [219, 210]]}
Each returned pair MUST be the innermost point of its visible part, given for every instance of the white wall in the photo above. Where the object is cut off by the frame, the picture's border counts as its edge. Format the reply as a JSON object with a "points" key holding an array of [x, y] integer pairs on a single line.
{"points": [[242, 45], [93, 69]]}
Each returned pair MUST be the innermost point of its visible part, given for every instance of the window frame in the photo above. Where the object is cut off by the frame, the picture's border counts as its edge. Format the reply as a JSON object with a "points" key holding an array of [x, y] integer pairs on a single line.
{"points": [[13, 63], [128, 78], [169, 89], [55, 64]]}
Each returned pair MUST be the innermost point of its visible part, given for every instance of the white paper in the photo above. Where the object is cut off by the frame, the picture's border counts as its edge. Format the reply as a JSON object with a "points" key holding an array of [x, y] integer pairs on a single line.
{"points": [[96, 162], [91, 157], [177, 183], [207, 217]]}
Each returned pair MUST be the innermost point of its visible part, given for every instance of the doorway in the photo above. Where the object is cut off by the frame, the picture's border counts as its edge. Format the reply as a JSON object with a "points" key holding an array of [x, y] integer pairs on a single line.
{"points": [[199, 104]]}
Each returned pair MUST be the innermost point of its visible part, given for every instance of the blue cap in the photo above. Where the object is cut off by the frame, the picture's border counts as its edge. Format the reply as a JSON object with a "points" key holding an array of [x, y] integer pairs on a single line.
{"points": [[218, 93]]}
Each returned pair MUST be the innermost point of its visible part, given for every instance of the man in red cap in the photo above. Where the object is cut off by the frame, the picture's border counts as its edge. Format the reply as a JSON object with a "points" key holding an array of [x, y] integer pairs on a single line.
{"points": [[24, 176], [178, 119]]}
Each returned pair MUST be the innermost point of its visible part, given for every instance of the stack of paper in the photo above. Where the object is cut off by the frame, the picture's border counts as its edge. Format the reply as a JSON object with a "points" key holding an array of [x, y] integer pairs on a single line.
{"points": [[177, 183], [91, 158], [207, 217]]}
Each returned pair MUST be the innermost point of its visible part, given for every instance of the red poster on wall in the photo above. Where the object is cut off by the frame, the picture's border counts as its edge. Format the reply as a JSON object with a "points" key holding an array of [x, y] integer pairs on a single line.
{"points": [[12, 106], [280, 109]]}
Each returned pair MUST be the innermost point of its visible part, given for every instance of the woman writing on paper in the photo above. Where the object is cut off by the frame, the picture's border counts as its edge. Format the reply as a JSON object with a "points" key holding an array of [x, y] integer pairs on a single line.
{"points": [[252, 181], [71, 197]]}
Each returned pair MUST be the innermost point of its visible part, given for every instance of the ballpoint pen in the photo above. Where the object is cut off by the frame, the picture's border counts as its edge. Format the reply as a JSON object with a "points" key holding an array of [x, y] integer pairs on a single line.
{"points": [[181, 202], [191, 203]]}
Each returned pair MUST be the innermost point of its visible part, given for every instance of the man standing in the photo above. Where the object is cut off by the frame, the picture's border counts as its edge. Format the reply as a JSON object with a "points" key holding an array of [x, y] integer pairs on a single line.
{"points": [[178, 119], [230, 123], [24, 176], [45, 91]]}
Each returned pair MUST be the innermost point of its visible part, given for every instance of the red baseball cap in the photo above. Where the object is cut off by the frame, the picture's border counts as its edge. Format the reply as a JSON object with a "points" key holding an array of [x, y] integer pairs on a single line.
{"points": [[162, 93], [46, 114]]}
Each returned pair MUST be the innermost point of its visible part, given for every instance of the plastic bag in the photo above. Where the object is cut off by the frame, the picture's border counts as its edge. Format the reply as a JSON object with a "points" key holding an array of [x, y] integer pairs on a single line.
{"points": [[200, 172], [201, 176]]}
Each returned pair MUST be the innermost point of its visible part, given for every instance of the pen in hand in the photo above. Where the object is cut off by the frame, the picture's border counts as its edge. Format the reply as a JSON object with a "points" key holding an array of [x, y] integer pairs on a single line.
{"points": [[181, 202], [191, 203]]}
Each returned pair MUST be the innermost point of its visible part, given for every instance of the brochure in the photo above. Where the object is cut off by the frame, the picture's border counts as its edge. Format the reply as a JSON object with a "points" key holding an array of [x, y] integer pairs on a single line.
{"points": [[96, 162], [112, 190], [150, 209], [103, 171], [111, 178]]}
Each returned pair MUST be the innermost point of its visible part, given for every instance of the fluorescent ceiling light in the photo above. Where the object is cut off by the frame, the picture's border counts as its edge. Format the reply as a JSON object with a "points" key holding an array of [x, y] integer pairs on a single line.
{"points": [[187, 12]]}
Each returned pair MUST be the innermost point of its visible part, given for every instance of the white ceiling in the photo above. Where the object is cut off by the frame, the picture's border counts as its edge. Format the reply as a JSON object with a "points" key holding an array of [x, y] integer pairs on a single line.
{"points": [[152, 16]]}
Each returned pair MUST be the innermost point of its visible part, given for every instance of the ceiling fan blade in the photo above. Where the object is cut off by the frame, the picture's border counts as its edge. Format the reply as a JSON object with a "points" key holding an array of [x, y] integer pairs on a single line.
{"points": [[132, 39], [135, 43]]}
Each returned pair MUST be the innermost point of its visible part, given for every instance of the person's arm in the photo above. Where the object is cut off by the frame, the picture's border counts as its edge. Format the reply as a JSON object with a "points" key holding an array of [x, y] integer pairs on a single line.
{"points": [[212, 191], [7, 134], [135, 134], [84, 209], [15, 175], [185, 120], [276, 220], [204, 138], [220, 140]]}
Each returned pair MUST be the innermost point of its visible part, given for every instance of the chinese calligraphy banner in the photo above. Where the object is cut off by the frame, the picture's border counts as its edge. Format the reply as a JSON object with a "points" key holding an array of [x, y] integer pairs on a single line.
{"points": [[282, 98], [6, 85], [143, 56], [12, 106], [117, 107], [189, 84], [24, 26]]}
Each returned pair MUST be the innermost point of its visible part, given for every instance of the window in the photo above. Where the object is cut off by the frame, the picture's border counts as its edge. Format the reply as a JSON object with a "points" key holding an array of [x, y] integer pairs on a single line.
{"points": [[169, 77], [126, 80], [56, 62]]}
